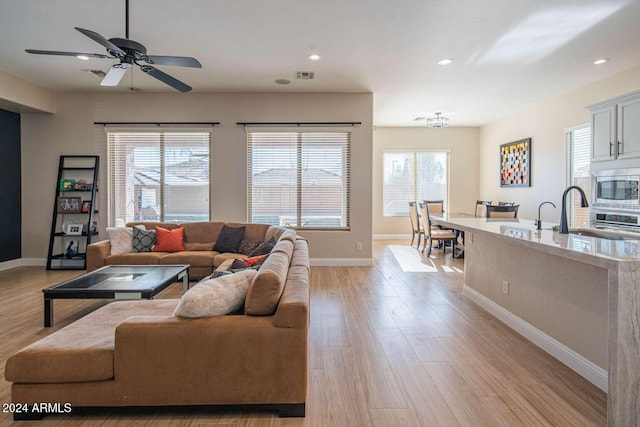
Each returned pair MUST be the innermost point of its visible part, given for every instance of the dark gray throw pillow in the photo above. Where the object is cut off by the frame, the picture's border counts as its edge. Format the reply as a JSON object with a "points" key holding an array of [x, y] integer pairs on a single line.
{"points": [[143, 240], [263, 248], [229, 239]]}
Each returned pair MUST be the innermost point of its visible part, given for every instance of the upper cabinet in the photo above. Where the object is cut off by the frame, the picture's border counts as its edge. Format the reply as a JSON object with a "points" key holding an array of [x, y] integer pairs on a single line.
{"points": [[615, 129]]}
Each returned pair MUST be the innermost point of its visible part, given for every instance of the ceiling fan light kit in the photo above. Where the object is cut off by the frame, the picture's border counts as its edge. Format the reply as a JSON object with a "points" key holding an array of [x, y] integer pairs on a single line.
{"points": [[129, 52]]}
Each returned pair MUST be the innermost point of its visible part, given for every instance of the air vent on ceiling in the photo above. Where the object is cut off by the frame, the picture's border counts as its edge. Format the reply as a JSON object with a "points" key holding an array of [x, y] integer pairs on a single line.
{"points": [[305, 75]]}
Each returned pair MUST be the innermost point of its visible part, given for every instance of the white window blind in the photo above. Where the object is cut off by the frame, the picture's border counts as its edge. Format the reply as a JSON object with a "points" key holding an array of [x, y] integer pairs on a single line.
{"points": [[299, 179], [578, 173], [158, 176], [413, 176]]}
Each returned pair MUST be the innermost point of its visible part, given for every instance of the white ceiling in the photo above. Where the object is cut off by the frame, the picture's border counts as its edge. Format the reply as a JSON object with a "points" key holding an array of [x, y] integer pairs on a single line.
{"points": [[508, 54]]}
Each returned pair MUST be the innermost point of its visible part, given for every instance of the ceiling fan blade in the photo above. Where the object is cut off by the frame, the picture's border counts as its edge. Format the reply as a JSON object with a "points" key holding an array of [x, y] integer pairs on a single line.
{"points": [[115, 74], [56, 52], [113, 49], [177, 61], [166, 78]]}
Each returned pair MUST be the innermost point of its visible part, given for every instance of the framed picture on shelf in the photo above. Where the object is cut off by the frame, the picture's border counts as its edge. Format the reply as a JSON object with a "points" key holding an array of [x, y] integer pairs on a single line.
{"points": [[86, 205], [74, 230], [67, 184], [69, 204]]}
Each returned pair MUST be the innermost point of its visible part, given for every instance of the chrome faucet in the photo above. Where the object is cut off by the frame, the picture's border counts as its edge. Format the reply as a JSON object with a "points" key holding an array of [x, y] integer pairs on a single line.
{"points": [[539, 221], [564, 227]]}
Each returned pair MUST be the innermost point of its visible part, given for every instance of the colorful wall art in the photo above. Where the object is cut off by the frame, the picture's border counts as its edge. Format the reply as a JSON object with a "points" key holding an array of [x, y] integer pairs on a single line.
{"points": [[515, 164]]}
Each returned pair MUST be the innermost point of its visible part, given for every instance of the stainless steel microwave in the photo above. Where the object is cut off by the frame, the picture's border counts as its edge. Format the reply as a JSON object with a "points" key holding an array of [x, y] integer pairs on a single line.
{"points": [[618, 187]]}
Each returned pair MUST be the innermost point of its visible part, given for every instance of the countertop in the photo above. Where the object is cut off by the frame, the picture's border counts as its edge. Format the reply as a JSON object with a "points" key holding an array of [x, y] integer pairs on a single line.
{"points": [[603, 252]]}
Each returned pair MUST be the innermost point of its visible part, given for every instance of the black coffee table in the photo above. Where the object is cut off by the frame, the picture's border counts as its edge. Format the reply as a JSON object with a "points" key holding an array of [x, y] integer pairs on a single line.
{"points": [[120, 282]]}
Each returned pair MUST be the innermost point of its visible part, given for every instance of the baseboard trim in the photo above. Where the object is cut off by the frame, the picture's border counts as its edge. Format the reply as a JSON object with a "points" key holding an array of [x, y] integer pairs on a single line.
{"points": [[34, 262], [584, 367], [391, 236], [12, 263], [341, 262]]}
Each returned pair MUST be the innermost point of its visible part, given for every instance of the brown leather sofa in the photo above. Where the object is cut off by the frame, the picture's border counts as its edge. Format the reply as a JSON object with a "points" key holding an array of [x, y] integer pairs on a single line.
{"points": [[135, 353], [199, 239]]}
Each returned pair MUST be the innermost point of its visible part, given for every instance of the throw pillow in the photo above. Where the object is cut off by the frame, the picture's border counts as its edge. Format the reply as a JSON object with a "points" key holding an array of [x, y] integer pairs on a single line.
{"points": [[247, 245], [169, 240], [248, 262], [263, 248], [219, 273], [143, 240], [215, 297], [120, 239], [229, 239]]}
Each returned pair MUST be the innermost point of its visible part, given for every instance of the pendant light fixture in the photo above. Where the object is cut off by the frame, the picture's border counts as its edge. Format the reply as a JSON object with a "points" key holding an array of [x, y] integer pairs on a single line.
{"points": [[438, 121]]}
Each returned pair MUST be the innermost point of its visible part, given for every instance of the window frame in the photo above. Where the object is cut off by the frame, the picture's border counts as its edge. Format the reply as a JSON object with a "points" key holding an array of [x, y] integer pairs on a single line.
{"points": [[300, 145], [569, 170], [415, 153], [160, 134]]}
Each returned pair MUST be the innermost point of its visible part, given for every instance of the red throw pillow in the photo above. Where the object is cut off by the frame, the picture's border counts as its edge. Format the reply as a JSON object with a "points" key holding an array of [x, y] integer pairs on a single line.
{"points": [[254, 260], [169, 240]]}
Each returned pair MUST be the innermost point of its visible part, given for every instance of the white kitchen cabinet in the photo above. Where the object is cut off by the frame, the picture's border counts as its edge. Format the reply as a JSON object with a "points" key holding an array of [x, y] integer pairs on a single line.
{"points": [[615, 128]]}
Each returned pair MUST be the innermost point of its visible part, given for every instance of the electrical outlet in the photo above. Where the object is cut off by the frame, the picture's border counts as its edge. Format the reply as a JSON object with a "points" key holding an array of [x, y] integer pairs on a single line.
{"points": [[505, 287], [359, 246]]}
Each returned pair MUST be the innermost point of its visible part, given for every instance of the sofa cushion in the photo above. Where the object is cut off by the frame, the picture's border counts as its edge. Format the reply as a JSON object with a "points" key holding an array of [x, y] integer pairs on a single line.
{"points": [[143, 240], [197, 246], [266, 288], [120, 238], [215, 297], [169, 240], [263, 248], [142, 258], [193, 258], [82, 351], [229, 239]]}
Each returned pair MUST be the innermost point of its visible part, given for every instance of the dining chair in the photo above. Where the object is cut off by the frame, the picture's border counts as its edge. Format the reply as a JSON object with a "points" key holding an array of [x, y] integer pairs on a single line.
{"points": [[481, 208], [497, 211], [434, 233], [416, 226], [506, 203]]}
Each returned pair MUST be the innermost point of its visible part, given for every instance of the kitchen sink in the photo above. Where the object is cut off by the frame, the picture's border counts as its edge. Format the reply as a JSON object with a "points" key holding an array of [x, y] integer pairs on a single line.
{"points": [[604, 234]]}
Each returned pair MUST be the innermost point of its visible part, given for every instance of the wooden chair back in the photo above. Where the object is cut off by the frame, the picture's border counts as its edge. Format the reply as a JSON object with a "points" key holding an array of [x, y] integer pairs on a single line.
{"points": [[481, 208], [436, 207], [413, 216], [510, 211]]}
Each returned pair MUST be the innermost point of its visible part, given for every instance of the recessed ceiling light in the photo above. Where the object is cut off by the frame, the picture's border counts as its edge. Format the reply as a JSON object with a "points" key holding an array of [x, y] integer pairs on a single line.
{"points": [[82, 57], [601, 61], [445, 61], [283, 81], [314, 57]]}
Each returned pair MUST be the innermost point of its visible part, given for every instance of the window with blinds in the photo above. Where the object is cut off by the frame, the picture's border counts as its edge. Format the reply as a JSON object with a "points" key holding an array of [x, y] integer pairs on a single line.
{"points": [[578, 173], [413, 176], [299, 179], [158, 176]]}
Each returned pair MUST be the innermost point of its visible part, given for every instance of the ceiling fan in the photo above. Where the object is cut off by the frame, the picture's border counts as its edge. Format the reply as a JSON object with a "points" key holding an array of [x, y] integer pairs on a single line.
{"points": [[129, 52]]}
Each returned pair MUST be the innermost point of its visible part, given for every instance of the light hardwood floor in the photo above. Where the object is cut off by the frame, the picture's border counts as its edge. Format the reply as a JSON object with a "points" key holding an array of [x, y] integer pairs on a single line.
{"points": [[389, 346]]}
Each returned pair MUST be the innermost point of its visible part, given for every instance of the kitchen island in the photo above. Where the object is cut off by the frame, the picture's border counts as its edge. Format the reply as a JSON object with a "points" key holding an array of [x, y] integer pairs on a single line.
{"points": [[575, 296]]}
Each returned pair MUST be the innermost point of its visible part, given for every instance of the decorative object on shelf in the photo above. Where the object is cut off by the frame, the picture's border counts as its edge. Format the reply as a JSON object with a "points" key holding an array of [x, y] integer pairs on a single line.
{"points": [[66, 224], [81, 185], [86, 206], [438, 121], [67, 184], [515, 164], [71, 249], [69, 204], [94, 227], [74, 230]]}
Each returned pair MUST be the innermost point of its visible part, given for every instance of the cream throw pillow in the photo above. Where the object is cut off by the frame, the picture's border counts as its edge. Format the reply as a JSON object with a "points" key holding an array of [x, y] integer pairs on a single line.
{"points": [[215, 297], [120, 238]]}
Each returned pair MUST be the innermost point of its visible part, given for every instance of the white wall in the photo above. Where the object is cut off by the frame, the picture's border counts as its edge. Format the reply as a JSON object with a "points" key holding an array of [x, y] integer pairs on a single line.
{"points": [[545, 123], [462, 142], [71, 131]]}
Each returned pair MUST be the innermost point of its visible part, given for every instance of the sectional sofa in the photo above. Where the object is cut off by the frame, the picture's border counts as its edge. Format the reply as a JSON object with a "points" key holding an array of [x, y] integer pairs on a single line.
{"points": [[138, 353]]}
